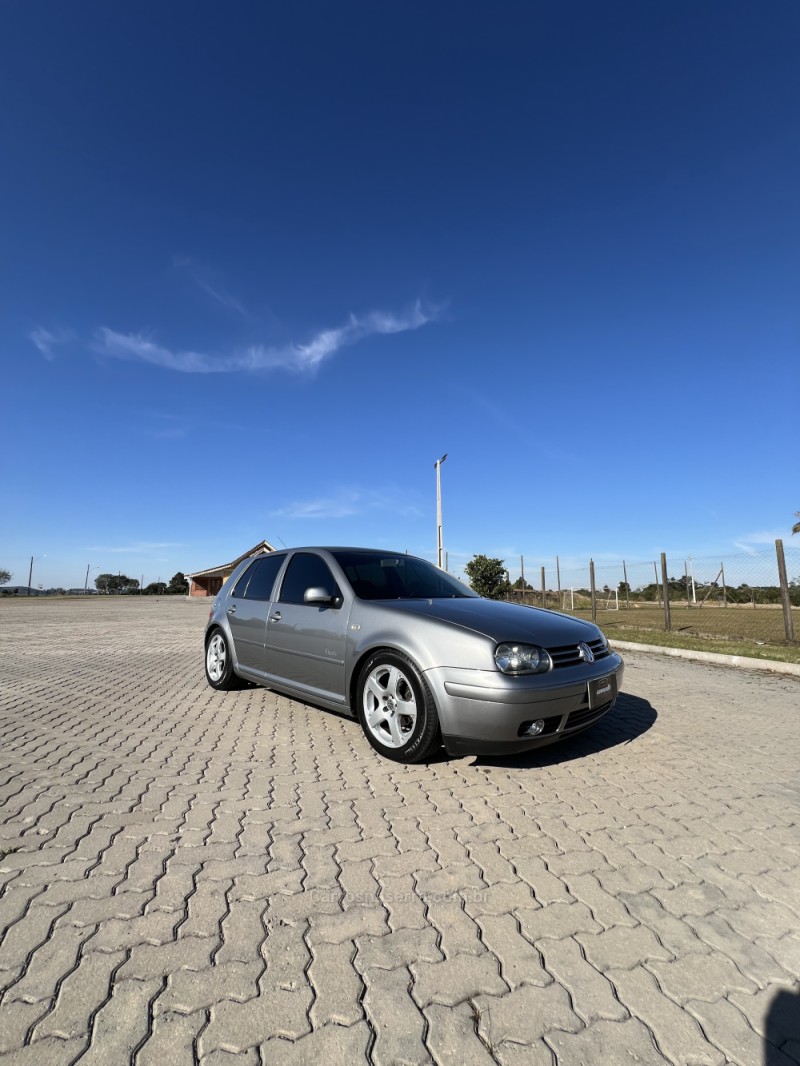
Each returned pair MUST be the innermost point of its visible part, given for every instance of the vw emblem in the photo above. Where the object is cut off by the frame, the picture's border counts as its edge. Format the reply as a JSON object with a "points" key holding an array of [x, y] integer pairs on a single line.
{"points": [[585, 652]]}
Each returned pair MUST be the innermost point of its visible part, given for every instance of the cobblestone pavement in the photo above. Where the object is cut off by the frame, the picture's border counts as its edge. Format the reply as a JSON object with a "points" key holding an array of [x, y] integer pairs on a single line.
{"points": [[189, 876]]}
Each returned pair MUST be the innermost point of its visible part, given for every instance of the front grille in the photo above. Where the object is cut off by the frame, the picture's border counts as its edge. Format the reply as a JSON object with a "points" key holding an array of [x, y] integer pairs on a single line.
{"points": [[568, 654], [579, 718]]}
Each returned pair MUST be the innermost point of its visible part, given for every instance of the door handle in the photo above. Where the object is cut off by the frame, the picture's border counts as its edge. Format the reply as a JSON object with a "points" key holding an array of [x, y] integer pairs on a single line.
{"points": [[232, 610], [275, 617]]}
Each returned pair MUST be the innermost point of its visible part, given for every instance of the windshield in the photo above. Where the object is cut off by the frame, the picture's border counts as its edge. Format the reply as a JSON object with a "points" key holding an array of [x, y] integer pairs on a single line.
{"points": [[398, 577]]}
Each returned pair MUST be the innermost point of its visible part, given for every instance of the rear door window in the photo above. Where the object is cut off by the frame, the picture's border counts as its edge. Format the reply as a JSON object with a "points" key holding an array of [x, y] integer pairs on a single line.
{"points": [[257, 582]]}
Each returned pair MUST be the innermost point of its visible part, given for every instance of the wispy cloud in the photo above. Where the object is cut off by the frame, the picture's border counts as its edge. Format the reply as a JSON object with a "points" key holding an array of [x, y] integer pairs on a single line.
{"points": [[211, 286], [755, 543], [142, 547], [45, 340], [165, 426], [347, 502], [300, 358]]}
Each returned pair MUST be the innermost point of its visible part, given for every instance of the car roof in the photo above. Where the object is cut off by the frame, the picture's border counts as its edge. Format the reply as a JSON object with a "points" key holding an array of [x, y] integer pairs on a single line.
{"points": [[346, 548]]}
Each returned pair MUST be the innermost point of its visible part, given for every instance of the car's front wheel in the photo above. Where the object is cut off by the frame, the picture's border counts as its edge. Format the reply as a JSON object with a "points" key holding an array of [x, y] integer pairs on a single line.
{"points": [[396, 708], [219, 663]]}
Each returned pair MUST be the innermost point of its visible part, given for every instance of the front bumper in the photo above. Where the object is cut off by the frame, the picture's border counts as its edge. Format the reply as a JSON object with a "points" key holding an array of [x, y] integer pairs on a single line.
{"points": [[485, 712]]}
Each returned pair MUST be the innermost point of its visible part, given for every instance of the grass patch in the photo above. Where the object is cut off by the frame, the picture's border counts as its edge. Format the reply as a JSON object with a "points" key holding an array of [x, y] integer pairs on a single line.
{"points": [[783, 653], [734, 630]]}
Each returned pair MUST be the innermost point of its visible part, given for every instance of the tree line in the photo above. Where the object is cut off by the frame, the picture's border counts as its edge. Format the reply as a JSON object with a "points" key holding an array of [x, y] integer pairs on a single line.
{"points": [[121, 584]]}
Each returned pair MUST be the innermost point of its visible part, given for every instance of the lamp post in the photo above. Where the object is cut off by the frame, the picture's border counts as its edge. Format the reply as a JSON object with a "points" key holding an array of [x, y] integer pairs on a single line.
{"points": [[30, 571], [439, 541], [89, 570]]}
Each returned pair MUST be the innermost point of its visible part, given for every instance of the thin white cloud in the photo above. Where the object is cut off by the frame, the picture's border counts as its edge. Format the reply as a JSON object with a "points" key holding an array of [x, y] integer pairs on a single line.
{"points": [[142, 547], [45, 340], [300, 358], [345, 503], [755, 543], [323, 507], [202, 277]]}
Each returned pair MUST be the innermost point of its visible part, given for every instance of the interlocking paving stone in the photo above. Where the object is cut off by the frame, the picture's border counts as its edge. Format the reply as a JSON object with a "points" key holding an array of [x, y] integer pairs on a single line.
{"points": [[452, 1036], [678, 1035], [622, 947], [211, 878], [623, 1043], [398, 949], [728, 1028], [520, 962], [700, 977], [337, 986], [525, 1014], [333, 1045], [456, 979], [592, 993], [398, 1024]]}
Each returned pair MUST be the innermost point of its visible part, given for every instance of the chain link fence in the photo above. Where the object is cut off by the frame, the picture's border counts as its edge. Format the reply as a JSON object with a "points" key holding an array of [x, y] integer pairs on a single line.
{"points": [[754, 596]]}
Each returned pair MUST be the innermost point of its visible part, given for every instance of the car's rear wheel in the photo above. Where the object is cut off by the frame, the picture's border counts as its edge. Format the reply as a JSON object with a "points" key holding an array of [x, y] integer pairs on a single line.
{"points": [[396, 708], [219, 663]]}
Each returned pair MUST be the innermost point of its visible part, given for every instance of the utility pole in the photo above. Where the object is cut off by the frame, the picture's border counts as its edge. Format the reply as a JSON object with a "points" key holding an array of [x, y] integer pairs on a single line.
{"points": [[439, 539]]}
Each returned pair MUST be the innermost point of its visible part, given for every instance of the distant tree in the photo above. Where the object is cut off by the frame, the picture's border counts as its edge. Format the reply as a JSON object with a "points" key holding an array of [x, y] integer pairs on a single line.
{"points": [[796, 526], [522, 584], [487, 576], [115, 583], [5, 577], [155, 588], [178, 585]]}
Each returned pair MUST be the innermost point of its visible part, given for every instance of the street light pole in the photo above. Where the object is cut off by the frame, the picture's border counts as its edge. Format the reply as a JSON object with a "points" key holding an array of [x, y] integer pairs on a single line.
{"points": [[439, 540], [30, 571]]}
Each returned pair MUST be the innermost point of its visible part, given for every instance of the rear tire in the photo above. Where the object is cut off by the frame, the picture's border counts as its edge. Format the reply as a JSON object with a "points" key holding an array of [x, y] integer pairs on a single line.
{"points": [[219, 663], [396, 708]]}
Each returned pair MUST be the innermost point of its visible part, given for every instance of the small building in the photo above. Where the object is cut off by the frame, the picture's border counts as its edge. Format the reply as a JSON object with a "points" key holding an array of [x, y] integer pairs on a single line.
{"points": [[209, 582]]}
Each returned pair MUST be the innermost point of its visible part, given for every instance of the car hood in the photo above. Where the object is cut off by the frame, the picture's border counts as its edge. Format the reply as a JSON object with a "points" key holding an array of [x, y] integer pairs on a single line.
{"points": [[500, 621]]}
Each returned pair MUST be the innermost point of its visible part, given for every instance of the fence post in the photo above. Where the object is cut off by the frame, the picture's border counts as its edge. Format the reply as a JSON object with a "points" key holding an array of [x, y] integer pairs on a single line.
{"points": [[544, 594], [788, 622], [724, 589], [686, 575], [658, 585], [591, 586], [665, 583], [522, 572], [558, 584]]}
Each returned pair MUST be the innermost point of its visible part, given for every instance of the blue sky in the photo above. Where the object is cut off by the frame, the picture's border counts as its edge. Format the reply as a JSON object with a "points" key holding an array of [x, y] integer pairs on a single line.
{"points": [[262, 264]]}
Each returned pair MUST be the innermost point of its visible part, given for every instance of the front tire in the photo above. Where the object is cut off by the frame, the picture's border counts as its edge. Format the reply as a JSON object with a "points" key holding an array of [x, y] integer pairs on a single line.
{"points": [[396, 709], [219, 663]]}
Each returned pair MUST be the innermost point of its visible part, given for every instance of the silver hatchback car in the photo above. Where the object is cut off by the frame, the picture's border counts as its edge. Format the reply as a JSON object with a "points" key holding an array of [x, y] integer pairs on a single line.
{"points": [[410, 651]]}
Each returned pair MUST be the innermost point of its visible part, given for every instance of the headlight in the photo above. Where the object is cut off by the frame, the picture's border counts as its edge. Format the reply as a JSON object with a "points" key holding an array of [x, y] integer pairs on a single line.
{"points": [[521, 659]]}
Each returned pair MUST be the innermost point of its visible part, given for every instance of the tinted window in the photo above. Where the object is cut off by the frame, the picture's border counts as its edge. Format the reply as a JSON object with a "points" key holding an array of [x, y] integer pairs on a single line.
{"points": [[264, 573], [306, 571], [398, 577], [241, 584]]}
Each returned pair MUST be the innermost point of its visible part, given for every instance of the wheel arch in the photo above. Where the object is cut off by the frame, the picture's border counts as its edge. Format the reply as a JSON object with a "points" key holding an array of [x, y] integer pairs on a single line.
{"points": [[358, 666]]}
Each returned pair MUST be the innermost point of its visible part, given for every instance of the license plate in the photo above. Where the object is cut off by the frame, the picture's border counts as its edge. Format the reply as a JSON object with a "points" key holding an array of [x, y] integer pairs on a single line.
{"points": [[602, 690]]}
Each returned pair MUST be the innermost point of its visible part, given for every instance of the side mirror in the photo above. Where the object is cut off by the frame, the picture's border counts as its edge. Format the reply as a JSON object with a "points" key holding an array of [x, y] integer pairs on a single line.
{"points": [[321, 596]]}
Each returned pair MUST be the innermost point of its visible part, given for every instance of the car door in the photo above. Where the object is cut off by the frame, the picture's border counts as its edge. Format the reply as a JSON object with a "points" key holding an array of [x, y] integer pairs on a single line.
{"points": [[305, 642], [248, 608]]}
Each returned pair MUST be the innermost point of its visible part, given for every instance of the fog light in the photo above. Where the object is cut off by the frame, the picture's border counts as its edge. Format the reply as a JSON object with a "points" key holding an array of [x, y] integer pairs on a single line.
{"points": [[535, 728]]}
